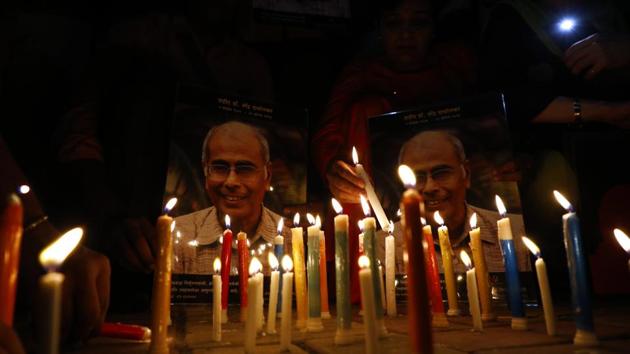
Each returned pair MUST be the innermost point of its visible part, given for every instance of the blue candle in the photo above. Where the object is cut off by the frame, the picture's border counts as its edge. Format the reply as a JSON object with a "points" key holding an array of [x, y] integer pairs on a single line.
{"points": [[278, 250], [578, 275], [513, 284]]}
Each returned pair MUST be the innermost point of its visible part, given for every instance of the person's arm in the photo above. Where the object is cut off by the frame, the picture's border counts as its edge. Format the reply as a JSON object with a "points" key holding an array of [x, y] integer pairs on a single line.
{"points": [[561, 110]]}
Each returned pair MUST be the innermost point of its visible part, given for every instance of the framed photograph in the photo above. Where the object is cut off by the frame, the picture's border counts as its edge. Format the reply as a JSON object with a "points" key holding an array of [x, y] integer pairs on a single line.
{"points": [[229, 157]]}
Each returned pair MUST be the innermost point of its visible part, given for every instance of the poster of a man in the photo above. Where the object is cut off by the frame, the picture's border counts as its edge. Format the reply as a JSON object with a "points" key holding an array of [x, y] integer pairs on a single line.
{"points": [[445, 177]]}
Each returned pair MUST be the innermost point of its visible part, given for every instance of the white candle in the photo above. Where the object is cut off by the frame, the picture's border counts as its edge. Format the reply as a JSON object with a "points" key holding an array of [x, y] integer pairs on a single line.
{"points": [[50, 286], [287, 302], [390, 271], [273, 294], [369, 307], [369, 190], [253, 284], [624, 241], [260, 317], [216, 301], [473, 294], [543, 285]]}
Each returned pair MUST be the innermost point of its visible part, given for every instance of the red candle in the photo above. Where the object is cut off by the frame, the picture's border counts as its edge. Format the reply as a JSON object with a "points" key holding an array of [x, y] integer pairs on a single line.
{"points": [[417, 295], [243, 272], [433, 277], [124, 331], [226, 261], [10, 239]]}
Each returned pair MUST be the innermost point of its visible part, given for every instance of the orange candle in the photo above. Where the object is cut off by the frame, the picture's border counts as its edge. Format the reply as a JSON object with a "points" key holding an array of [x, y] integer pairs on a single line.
{"points": [[243, 271], [433, 277], [10, 239], [323, 275], [417, 294]]}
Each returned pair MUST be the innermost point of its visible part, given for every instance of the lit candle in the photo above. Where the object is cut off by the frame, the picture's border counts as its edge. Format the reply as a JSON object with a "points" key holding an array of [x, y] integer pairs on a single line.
{"points": [[300, 273], [543, 285], [418, 309], [481, 270], [242, 268], [433, 278], [10, 240], [226, 263], [390, 270], [287, 302], [447, 264], [342, 276], [323, 274], [369, 246], [278, 250], [361, 235], [369, 190], [519, 321], [273, 294], [216, 301], [50, 286], [623, 241], [161, 295], [260, 317], [578, 275], [366, 281], [253, 284], [314, 323], [473, 295]]}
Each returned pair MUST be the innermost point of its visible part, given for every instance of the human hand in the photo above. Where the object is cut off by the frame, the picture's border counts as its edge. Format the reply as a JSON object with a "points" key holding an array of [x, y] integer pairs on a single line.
{"points": [[9, 341], [344, 184], [85, 294], [135, 245], [595, 53]]}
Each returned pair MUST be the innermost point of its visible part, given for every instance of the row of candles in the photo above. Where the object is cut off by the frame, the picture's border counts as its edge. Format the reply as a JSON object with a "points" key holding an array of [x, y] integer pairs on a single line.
{"points": [[423, 277]]}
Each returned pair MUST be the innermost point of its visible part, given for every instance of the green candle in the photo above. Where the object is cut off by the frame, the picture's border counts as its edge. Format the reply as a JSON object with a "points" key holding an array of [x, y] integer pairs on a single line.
{"points": [[369, 247], [314, 323], [342, 278]]}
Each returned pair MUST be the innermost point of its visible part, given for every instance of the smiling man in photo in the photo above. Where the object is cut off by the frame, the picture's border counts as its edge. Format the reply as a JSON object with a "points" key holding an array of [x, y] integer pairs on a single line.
{"points": [[237, 171]]}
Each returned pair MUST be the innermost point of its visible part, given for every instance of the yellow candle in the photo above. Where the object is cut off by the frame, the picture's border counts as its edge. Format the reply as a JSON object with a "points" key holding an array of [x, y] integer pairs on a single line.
{"points": [[543, 285], [447, 263], [369, 306], [300, 272], [216, 301], [287, 303], [323, 274], [254, 283], [481, 270], [273, 293], [473, 296], [390, 271], [161, 295], [50, 286]]}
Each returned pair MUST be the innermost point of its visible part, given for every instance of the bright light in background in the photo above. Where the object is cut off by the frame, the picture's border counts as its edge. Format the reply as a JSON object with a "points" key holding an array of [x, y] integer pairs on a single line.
{"points": [[567, 24]]}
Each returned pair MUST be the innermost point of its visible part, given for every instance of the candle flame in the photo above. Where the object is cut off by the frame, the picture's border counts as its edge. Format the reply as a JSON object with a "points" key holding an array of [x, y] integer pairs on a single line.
{"points": [[53, 256], [473, 221], [217, 265], [360, 224], [364, 262], [563, 201], [438, 219], [310, 218], [500, 205], [398, 212], [221, 239], [407, 176], [623, 239], [173, 224], [273, 261], [193, 243], [391, 228], [365, 205], [318, 221], [355, 155], [23, 189], [533, 248], [466, 259], [280, 226], [227, 221], [254, 266], [423, 220], [338, 208], [287, 263], [296, 220], [178, 234], [170, 205]]}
